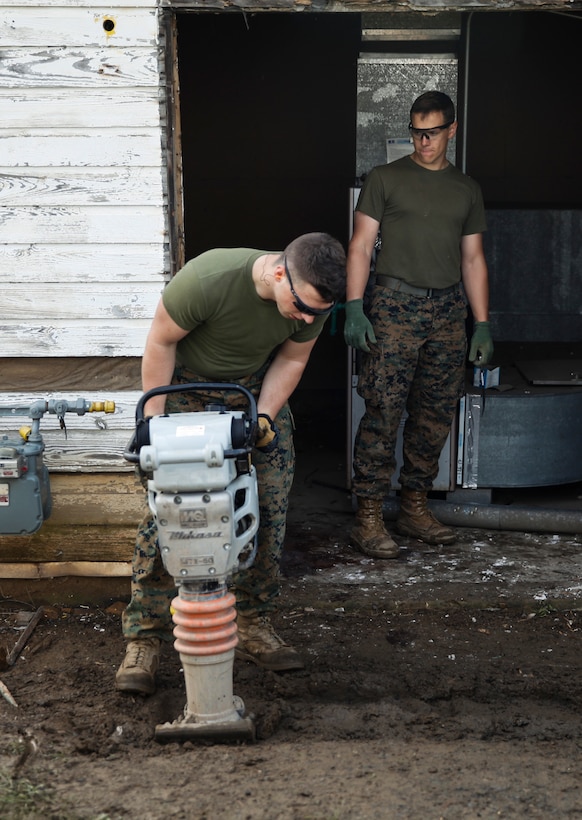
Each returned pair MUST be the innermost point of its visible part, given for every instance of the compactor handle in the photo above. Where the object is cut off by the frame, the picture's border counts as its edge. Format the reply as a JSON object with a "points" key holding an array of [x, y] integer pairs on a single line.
{"points": [[199, 387], [141, 434]]}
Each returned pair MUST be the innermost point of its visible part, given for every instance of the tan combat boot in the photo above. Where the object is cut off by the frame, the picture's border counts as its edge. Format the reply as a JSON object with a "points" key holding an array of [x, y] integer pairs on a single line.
{"points": [[137, 672], [417, 521], [370, 533], [259, 643]]}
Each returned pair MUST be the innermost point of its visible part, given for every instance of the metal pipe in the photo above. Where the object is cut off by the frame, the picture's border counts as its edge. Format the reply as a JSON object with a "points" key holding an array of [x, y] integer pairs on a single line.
{"points": [[498, 516]]}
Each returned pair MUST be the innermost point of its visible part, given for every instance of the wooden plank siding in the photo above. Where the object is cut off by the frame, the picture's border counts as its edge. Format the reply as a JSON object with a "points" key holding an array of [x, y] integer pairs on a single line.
{"points": [[368, 6], [84, 255], [51, 26], [81, 164]]}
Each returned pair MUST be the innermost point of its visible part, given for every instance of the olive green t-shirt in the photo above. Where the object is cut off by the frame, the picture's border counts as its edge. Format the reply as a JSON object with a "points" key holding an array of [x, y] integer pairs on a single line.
{"points": [[232, 330], [423, 215]]}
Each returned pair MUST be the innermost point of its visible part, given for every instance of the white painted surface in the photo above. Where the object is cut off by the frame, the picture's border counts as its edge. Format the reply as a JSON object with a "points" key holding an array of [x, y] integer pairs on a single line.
{"points": [[83, 233]]}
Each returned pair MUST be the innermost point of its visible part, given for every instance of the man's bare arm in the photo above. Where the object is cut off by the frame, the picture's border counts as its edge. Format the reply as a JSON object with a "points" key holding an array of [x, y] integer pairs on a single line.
{"points": [[283, 375], [475, 276], [159, 357]]}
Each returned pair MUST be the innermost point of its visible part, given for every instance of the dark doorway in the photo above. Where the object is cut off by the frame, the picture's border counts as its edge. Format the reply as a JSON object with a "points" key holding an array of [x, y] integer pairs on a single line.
{"points": [[523, 109], [268, 107]]}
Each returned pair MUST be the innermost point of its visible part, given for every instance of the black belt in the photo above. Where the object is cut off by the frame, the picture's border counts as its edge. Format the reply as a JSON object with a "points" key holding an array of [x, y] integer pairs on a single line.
{"points": [[403, 287]]}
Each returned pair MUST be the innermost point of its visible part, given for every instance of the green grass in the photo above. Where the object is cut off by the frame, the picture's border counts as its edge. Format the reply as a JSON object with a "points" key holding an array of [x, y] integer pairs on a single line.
{"points": [[22, 800]]}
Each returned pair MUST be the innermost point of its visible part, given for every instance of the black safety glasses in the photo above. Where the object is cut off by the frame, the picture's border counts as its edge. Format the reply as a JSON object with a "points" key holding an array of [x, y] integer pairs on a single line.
{"points": [[429, 133], [300, 304]]}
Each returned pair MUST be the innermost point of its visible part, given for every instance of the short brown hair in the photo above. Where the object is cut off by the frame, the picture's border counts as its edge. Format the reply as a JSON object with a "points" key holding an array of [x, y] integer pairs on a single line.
{"points": [[434, 101], [319, 260]]}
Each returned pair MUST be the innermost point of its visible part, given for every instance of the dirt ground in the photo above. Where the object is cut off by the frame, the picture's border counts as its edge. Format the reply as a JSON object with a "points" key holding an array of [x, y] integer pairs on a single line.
{"points": [[459, 697], [411, 711]]}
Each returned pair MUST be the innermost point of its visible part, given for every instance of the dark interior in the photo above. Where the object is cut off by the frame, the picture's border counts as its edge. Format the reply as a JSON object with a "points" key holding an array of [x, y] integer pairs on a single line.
{"points": [[268, 125], [268, 107], [523, 103]]}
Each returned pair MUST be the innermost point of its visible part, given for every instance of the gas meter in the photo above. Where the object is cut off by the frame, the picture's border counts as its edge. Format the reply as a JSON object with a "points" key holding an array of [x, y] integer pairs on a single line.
{"points": [[25, 496]]}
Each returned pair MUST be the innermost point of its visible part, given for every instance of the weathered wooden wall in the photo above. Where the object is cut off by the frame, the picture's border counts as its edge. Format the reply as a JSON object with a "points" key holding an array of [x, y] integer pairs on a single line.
{"points": [[367, 6], [82, 231], [83, 258]]}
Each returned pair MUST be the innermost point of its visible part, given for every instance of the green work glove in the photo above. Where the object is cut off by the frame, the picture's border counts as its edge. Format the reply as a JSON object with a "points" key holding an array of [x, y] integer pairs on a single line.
{"points": [[481, 349], [358, 326]]}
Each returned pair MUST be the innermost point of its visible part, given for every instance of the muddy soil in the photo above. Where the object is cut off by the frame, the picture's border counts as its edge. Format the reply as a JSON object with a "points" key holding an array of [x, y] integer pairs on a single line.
{"points": [[448, 711]]}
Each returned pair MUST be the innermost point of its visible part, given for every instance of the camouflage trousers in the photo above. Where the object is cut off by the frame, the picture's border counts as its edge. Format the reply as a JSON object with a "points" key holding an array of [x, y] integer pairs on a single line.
{"points": [[152, 589], [417, 365]]}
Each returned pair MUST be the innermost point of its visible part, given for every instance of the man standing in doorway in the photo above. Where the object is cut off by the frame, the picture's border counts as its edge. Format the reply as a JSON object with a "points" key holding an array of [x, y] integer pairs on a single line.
{"points": [[430, 217], [249, 317]]}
